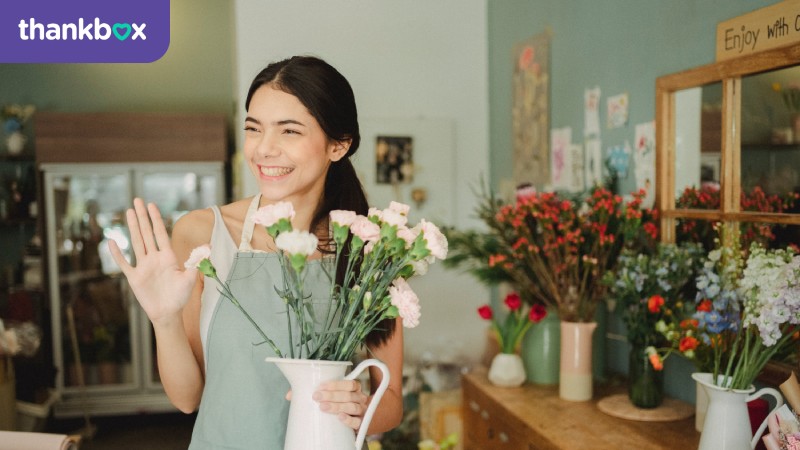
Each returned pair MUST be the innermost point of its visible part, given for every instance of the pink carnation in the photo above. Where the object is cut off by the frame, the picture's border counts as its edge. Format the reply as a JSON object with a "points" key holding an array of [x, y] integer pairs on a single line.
{"points": [[399, 208], [343, 218], [437, 243], [406, 301], [393, 218], [198, 254], [407, 234], [297, 242], [375, 212], [269, 215], [365, 229]]}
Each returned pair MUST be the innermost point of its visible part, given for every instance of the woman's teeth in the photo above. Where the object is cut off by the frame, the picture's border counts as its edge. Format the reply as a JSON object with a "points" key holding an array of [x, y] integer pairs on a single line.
{"points": [[275, 171]]}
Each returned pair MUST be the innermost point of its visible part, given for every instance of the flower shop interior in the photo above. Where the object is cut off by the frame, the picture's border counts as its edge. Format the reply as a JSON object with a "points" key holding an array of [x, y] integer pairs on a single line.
{"points": [[604, 288]]}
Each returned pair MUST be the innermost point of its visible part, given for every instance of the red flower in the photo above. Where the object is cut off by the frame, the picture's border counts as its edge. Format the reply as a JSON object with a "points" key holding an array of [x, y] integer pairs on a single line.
{"points": [[513, 301], [655, 303], [705, 306], [485, 312], [690, 323], [538, 312], [687, 343]]}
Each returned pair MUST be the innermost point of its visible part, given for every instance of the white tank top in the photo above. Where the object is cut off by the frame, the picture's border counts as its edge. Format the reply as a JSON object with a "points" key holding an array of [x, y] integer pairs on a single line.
{"points": [[223, 250]]}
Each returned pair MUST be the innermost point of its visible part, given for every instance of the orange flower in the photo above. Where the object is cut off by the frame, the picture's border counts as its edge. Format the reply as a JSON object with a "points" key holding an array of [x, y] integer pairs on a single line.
{"points": [[656, 362], [688, 343], [655, 303]]}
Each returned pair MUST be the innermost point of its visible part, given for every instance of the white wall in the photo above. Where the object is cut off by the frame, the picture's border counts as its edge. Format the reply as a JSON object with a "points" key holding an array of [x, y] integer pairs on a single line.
{"points": [[411, 59]]}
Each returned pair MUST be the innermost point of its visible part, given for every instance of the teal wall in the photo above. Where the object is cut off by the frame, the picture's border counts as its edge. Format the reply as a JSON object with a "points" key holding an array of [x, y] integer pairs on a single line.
{"points": [[620, 46], [195, 75]]}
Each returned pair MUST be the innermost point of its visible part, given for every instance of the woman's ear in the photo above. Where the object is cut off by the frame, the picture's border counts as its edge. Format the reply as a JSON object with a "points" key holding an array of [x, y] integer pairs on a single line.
{"points": [[339, 149]]}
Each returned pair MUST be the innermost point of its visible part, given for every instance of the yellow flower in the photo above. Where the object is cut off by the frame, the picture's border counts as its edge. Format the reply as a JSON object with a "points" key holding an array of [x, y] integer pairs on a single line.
{"points": [[374, 445], [776, 87]]}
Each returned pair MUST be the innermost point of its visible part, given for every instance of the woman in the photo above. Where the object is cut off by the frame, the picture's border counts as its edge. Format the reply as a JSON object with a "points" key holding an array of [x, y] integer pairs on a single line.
{"points": [[301, 128]]}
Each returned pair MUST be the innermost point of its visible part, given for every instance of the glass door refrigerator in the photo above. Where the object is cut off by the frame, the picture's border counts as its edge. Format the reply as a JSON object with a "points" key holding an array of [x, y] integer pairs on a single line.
{"points": [[103, 344]]}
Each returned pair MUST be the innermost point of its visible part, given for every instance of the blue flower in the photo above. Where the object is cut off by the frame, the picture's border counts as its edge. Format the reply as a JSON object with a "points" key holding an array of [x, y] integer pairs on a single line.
{"points": [[12, 125]]}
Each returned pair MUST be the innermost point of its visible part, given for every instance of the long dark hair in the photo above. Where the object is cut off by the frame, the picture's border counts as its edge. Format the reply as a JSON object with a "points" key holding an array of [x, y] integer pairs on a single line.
{"points": [[328, 96]]}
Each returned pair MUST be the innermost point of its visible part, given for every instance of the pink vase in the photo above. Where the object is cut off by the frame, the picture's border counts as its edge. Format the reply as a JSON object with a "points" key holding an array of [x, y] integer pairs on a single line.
{"points": [[575, 376]]}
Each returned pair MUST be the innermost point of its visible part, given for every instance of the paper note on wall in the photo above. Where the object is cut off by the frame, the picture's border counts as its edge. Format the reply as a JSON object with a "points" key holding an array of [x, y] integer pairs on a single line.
{"points": [[560, 156], [618, 111], [591, 111], [644, 160]]}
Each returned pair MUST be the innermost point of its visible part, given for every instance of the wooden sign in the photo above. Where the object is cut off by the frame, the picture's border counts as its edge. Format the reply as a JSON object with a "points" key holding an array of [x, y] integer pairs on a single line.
{"points": [[771, 27]]}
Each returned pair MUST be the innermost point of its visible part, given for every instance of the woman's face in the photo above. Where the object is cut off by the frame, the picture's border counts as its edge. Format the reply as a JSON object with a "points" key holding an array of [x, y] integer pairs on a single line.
{"points": [[286, 149]]}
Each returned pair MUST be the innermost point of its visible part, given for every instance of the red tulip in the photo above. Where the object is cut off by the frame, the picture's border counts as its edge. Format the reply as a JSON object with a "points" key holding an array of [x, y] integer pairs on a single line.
{"points": [[513, 301], [485, 312], [538, 312]]}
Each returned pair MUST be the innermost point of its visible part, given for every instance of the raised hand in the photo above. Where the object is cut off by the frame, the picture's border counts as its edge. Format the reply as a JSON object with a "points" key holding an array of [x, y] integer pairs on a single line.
{"points": [[158, 280]]}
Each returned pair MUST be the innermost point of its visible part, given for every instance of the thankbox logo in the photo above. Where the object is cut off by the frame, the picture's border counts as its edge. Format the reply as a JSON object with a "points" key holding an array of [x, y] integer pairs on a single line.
{"points": [[32, 30], [74, 31]]}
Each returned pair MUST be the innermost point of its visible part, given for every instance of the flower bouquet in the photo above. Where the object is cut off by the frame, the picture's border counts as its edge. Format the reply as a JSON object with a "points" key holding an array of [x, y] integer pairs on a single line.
{"points": [[507, 368], [746, 311], [552, 249], [375, 254], [650, 292]]}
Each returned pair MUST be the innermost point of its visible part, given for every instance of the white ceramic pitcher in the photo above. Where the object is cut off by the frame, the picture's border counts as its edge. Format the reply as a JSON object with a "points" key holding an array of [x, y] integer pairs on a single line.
{"points": [[727, 424], [309, 428]]}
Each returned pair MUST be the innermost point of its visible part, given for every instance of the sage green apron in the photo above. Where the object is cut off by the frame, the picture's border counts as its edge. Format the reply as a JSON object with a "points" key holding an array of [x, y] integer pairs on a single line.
{"points": [[244, 402]]}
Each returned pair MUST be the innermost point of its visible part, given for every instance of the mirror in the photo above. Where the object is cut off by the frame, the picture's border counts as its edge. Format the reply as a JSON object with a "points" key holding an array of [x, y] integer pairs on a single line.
{"points": [[728, 149]]}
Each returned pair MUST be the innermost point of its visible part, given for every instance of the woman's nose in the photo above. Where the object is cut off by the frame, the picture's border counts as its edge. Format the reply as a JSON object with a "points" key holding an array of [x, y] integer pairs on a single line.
{"points": [[269, 145]]}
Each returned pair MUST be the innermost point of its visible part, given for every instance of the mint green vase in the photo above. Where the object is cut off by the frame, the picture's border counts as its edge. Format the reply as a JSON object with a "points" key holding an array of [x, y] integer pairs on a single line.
{"points": [[541, 350]]}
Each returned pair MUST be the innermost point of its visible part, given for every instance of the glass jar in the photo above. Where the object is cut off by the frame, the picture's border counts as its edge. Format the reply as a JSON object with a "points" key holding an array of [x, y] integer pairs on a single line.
{"points": [[645, 384]]}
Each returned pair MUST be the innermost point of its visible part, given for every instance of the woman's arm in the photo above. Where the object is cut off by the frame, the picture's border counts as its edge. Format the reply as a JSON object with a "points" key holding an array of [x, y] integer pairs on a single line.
{"points": [[389, 413], [346, 399], [163, 289]]}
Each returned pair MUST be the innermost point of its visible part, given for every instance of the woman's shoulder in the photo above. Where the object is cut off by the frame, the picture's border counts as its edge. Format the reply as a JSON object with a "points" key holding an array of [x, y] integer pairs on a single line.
{"points": [[194, 227]]}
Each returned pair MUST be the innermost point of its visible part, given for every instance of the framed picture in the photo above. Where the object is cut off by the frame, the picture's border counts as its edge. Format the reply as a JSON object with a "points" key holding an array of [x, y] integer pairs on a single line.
{"points": [[409, 160], [394, 159]]}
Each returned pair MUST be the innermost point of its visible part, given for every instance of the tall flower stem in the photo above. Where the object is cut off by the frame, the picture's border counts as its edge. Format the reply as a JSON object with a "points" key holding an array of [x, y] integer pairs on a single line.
{"points": [[225, 291]]}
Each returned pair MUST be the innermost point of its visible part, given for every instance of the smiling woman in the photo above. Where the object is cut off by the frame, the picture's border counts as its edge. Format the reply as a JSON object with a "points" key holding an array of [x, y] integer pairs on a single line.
{"points": [[300, 131]]}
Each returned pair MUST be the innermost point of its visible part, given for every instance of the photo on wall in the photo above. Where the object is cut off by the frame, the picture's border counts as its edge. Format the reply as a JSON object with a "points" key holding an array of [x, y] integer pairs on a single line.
{"points": [[394, 159]]}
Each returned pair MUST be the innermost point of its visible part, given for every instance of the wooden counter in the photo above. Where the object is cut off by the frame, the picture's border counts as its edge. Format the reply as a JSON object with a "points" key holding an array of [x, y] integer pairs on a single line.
{"points": [[534, 418]]}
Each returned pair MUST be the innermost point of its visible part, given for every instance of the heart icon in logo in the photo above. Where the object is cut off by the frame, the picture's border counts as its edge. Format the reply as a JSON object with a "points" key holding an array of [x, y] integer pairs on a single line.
{"points": [[121, 26]]}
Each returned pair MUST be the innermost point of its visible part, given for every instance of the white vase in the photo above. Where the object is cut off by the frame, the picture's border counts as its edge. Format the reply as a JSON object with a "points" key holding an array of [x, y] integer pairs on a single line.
{"points": [[700, 406], [15, 142], [727, 423], [507, 370], [310, 428]]}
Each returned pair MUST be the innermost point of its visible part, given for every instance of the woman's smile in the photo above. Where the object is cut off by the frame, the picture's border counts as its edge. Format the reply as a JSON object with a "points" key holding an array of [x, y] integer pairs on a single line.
{"points": [[275, 172]]}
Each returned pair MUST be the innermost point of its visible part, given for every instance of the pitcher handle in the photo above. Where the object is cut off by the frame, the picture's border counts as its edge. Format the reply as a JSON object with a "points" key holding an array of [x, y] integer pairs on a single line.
{"points": [[376, 398], [778, 404]]}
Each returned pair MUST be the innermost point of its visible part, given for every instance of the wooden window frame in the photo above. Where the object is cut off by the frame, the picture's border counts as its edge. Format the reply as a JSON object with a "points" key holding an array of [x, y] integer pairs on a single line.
{"points": [[729, 73]]}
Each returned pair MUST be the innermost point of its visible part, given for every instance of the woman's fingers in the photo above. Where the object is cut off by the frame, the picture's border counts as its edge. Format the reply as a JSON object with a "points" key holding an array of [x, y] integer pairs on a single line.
{"points": [[162, 237], [116, 253], [343, 398], [136, 235], [144, 225]]}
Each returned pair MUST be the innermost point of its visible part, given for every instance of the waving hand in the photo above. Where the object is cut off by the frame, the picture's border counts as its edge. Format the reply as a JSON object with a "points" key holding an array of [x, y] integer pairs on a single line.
{"points": [[158, 280]]}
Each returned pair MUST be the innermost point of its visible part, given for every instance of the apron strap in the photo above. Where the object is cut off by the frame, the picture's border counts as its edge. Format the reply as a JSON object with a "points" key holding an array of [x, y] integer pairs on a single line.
{"points": [[249, 226]]}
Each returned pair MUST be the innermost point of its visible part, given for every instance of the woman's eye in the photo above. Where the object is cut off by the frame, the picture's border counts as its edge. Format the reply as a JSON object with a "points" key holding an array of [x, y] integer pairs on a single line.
{"points": [[290, 131], [249, 128]]}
